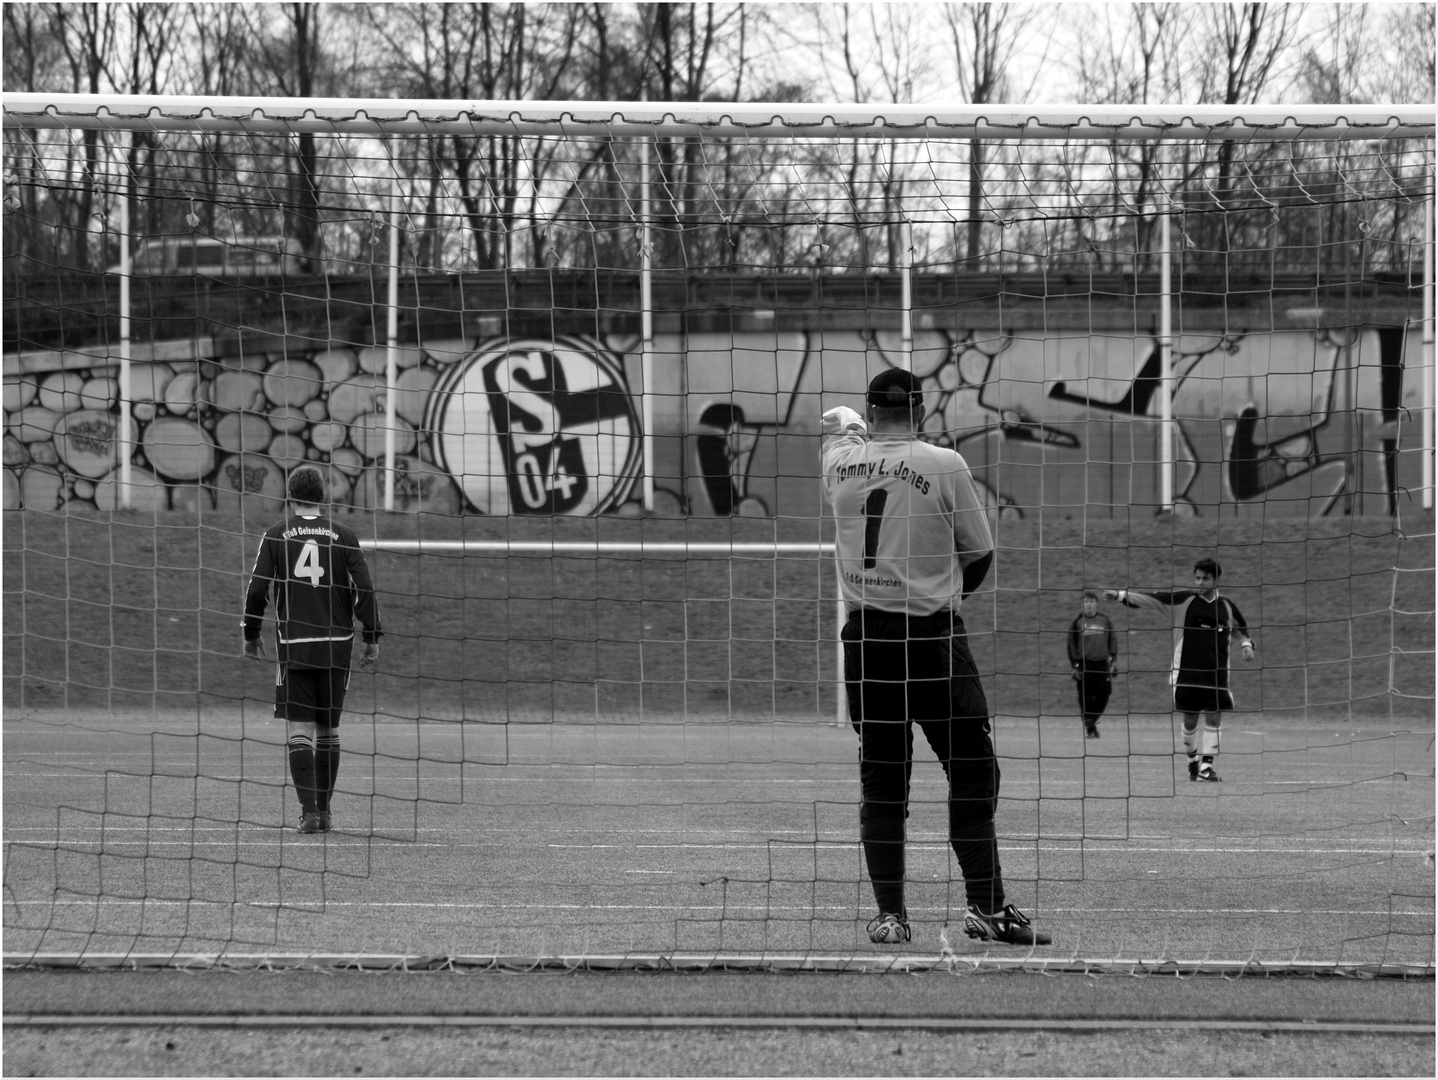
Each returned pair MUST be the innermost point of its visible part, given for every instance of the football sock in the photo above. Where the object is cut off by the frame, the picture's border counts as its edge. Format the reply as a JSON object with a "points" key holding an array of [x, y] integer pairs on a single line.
{"points": [[976, 846], [883, 840], [1190, 737], [302, 771], [1208, 741], [327, 767]]}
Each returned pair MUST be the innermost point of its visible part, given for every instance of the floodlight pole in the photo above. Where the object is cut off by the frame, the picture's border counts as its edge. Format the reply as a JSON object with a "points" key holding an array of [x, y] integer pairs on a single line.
{"points": [[391, 358], [124, 434], [906, 288], [1165, 359], [646, 326], [1428, 373]]}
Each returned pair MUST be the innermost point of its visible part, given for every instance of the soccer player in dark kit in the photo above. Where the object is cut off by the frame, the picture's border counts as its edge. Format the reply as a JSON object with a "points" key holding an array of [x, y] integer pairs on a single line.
{"points": [[912, 541], [317, 574], [1200, 658], [1093, 654]]}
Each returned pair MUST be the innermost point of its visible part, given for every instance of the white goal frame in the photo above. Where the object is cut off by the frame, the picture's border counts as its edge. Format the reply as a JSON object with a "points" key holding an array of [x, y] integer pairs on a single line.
{"points": [[378, 118]]}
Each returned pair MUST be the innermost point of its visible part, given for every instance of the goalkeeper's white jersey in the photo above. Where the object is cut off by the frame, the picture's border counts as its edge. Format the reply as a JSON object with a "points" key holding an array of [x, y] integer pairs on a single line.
{"points": [[908, 519]]}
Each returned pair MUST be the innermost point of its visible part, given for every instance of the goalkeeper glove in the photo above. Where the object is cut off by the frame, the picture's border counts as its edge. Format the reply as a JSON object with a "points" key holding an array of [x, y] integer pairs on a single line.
{"points": [[842, 421], [1248, 650]]}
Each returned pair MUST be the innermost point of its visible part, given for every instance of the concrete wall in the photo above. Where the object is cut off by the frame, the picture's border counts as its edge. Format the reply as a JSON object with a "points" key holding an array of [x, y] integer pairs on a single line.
{"points": [[1291, 422]]}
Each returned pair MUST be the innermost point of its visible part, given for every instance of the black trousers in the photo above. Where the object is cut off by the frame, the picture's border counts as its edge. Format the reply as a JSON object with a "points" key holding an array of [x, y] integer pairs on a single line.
{"points": [[901, 671], [1094, 687]]}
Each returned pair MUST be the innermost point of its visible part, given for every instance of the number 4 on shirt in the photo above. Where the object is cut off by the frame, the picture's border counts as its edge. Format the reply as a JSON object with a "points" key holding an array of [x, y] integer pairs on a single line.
{"points": [[307, 566]]}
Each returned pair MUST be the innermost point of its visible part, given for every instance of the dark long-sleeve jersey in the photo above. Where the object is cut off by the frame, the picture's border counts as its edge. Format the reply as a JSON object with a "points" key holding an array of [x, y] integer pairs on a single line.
{"points": [[1092, 641], [317, 574], [1200, 655]]}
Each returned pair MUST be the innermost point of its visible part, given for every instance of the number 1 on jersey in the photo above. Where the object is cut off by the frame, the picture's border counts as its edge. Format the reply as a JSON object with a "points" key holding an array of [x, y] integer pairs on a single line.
{"points": [[873, 518], [308, 564]]}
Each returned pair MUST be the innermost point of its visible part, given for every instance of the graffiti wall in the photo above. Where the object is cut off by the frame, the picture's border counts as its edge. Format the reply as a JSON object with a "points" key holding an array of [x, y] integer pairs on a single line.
{"points": [[1300, 423]]}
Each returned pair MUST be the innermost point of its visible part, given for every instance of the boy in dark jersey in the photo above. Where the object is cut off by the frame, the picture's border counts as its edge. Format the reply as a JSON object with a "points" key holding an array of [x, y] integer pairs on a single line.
{"points": [[912, 540], [1200, 658], [1093, 653], [314, 568]]}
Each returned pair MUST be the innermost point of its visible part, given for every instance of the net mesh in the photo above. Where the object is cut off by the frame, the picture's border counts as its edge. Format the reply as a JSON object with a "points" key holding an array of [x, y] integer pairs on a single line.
{"points": [[577, 432]]}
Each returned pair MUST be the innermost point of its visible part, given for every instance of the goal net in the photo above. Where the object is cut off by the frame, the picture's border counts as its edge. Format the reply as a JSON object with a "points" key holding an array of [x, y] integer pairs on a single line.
{"points": [[564, 367]]}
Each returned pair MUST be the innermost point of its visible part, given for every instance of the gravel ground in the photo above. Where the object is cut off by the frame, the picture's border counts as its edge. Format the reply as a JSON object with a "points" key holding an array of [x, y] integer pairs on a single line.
{"points": [[1203, 1041], [408, 1051]]}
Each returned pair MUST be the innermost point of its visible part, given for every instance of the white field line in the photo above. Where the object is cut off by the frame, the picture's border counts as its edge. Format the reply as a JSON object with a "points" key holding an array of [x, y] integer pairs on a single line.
{"points": [[792, 839], [664, 1022], [599, 547], [842, 911]]}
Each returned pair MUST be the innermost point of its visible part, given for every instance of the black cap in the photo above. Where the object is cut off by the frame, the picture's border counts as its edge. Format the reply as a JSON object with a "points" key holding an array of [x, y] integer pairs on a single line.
{"points": [[893, 389]]}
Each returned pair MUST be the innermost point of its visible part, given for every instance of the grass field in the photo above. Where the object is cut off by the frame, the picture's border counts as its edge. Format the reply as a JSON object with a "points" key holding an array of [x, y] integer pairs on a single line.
{"points": [[629, 756], [632, 763]]}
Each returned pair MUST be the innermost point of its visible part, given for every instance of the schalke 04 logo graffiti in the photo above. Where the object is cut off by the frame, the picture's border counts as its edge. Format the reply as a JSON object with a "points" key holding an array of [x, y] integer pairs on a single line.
{"points": [[538, 427]]}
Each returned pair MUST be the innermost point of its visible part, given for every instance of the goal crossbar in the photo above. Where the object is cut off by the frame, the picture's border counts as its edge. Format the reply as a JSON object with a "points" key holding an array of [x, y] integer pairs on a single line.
{"points": [[754, 120]]}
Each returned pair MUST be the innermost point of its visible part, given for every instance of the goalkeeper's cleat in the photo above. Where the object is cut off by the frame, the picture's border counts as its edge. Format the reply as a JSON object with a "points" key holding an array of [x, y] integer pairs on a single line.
{"points": [[889, 929], [326, 822], [310, 823], [1010, 926], [1207, 775], [1193, 770], [1090, 731]]}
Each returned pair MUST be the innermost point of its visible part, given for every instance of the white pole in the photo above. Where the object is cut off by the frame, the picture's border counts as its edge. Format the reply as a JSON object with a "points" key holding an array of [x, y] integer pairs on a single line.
{"points": [[125, 434], [646, 326], [840, 615], [1165, 361], [1428, 389], [906, 302], [391, 360]]}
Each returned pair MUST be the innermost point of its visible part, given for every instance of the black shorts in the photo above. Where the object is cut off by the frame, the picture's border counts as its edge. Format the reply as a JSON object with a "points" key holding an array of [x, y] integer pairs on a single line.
{"points": [[899, 667], [1195, 699], [310, 695]]}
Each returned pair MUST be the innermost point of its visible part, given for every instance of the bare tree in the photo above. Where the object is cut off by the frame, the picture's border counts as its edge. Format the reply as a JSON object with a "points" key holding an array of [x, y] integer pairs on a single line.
{"points": [[33, 54], [1407, 73], [985, 39], [1131, 56], [473, 52], [86, 35], [296, 65], [1242, 55], [679, 43]]}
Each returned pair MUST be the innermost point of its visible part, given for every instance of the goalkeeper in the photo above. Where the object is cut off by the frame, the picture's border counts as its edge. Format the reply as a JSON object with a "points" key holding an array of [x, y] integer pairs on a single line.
{"points": [[1200, 659], [1093, 654], [317, 573], [912, 540]]}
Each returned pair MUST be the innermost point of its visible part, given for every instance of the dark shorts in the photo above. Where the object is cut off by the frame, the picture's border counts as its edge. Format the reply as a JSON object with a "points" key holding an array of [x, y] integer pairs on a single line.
{"points": [[310, 695], [1194, 699]]}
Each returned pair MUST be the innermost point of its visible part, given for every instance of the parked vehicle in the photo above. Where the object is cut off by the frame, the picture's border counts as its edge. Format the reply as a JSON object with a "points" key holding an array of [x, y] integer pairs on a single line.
{"points": [[193, 253]]}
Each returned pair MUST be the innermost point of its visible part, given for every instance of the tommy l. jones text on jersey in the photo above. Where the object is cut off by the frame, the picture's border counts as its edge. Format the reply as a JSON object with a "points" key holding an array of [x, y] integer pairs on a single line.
{"points": [[866, 469]]}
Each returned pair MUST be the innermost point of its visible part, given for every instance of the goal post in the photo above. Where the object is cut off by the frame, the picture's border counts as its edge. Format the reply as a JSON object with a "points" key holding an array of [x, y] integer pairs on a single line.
{"points": [[563, 364]]}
